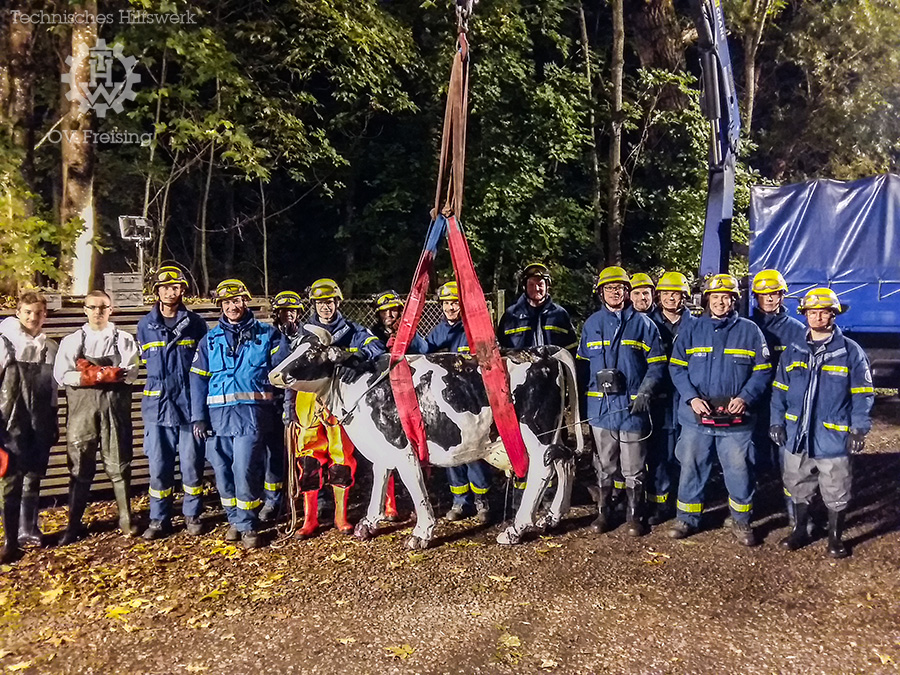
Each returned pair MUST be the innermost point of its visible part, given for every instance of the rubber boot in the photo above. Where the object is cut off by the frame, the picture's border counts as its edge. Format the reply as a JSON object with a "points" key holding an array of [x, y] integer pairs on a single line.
{"points": [[310, 515], [78, 499], [11, 551], [390, 502], [836, 547], [603, 523], [341, 494], [634, 514], [120, 490], [798, 537], [29, 532]]}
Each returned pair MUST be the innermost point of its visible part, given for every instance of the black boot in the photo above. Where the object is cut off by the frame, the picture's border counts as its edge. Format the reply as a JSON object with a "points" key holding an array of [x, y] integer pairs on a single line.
{"points": [[78, 498], [836, 547], [635, 511], [11, 551], [29, 532], [120, 490], [798, 514], [603, 523]]}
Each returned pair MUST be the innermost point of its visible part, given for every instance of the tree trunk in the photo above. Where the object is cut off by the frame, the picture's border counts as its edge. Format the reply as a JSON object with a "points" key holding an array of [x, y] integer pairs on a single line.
{"points": [[164, 212], [159, 98], [204, 262], [78, 158], [617, 62], [265, 237], [751, 41], [17, 87], [593, 152], [656, 37]]}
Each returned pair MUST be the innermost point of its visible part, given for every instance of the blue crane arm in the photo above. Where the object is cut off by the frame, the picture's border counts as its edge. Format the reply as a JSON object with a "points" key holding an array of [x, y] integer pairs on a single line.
{"points": [[720, 106]]}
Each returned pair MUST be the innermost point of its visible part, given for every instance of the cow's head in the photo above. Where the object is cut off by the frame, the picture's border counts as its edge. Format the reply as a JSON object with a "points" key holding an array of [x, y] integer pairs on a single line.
{"points": [[310, 367]]}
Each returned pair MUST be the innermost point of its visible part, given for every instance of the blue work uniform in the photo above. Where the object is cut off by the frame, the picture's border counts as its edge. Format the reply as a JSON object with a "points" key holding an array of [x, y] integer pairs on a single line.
{"points": [[780, 330], [167, 351], [662, 467], [474, 477], [351, 336], [716, 360], [416, 346], [523, 326], [230, 389], [822, 392]]}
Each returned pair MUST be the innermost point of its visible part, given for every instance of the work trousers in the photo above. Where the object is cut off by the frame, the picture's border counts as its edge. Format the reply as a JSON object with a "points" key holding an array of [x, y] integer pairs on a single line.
{"points": [[468, 479], [802, 474], [662, 467], [620, 453], [162, 444], [274, 467], [99, 419], [695, 450], [238, 464]]}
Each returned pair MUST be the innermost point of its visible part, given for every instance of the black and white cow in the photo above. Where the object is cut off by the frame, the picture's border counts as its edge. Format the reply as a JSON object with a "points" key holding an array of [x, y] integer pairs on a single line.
{"points": [[458, 421]]}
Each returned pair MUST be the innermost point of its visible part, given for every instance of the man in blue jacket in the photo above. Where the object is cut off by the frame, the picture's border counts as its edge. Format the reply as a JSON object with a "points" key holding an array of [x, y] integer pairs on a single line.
{"points": [[670, 315], [473, 478], [388, 306], [534, 320], [820, 415], [627, 363], [720, 365], [168, 337], [780, 330], [232, 405]]}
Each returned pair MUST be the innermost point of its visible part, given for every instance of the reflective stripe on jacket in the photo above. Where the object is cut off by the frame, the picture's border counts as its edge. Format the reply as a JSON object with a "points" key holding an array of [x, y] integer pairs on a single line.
{"points": [[666, 406], [821, 396], [447, 337], [523, 326]]}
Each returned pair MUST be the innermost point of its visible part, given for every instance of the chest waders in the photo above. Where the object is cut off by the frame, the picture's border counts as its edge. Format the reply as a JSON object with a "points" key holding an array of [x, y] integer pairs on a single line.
{"points": [[99, 418], [26, 397]]}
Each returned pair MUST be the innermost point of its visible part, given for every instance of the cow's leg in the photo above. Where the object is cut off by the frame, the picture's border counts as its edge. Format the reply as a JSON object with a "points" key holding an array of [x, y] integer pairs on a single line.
{"points": [[365, 528], [538, 478], [411, 474], [565, 476]]}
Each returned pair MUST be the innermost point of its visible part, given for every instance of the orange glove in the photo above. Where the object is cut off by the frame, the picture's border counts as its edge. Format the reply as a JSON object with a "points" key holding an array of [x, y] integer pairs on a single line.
{"points": [[92, 375], [4, 462]]}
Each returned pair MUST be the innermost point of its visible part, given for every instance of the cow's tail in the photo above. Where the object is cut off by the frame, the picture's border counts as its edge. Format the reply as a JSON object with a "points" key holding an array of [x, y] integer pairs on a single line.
{"points": [[568, 364]]}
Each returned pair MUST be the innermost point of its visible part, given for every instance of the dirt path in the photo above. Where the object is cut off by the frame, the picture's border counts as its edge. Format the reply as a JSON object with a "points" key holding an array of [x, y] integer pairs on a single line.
{"points": [[572, 603]]}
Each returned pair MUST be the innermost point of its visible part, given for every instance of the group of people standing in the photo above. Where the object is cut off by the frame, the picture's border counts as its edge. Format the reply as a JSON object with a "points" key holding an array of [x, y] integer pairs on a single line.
{"points": [[664, 393]]}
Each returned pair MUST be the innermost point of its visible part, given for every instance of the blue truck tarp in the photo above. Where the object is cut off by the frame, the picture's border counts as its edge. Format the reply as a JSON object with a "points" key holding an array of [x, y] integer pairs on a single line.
{"points": [[845, 235]]}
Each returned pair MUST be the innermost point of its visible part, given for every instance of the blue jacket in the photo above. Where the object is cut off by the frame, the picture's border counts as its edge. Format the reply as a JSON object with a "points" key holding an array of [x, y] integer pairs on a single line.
{"points": [[627, 341], [780, 330], [523, 326], [416, 346], [167, 354], [447, 337], [822, 393], [720, 359], [665, 411], [351, 336], [230, 377]]}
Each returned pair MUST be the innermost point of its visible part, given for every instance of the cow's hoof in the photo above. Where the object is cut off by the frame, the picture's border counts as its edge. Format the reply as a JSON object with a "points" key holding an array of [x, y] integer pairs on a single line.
{"points": [[415, 543], [509, 537], [548, 523], [364, 532]]}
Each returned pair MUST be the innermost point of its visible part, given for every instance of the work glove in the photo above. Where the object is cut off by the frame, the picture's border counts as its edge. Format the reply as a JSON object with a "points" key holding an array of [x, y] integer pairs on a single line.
{"points": [[856, 441], [778, 435], [202, 430], [640, 404], [349, 373], [92, 375], [4, 461]]}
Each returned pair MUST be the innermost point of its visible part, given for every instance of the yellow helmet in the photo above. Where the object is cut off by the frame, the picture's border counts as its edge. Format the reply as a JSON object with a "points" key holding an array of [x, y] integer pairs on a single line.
{"points": [[722, 283], [386, 300], [324, 289], [820, 298], [287, 300], [449, 291], [768, 281], [231, 288], [641, 280], [169, 275], [611, 275], [535, 269], [673, 281]]}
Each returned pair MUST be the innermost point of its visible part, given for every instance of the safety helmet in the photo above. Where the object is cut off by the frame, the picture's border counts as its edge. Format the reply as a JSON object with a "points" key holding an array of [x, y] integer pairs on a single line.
{"points": [[820, 298], [535, 269], [449, 291], [641, 280], [611, 275], [324, 289], [673, 281], [287, 300], [386, 300], [231, 288], [169, 275], [768, 281], [722, 283]]}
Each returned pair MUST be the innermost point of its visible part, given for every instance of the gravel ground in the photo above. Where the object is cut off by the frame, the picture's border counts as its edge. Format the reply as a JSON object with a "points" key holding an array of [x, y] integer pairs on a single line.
{"points": [[571, 603]]}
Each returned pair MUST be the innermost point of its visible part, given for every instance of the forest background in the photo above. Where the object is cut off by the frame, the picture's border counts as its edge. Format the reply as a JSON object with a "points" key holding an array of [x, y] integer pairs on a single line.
{"points": [[286, 140]]}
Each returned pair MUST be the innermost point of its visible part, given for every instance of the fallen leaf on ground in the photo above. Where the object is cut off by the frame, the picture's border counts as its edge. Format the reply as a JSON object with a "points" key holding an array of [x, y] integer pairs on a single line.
{"points": [[21, 665], [885, 658], [347, 640], [510, 640], [213, 594], [338, 557], [548, 664], [269, 580], [192, 668], [51, 596], [500, 579], [401, 652], [116, 612]]}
